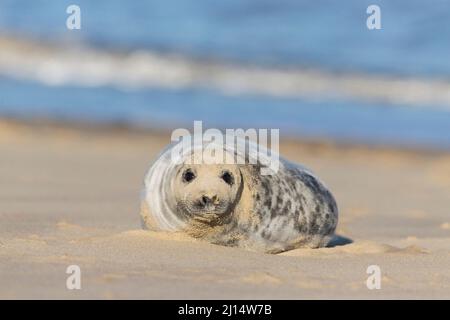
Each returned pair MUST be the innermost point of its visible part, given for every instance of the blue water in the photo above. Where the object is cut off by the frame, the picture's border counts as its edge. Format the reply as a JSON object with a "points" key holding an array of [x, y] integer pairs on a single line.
{"points": [[322, 34], [372, 123], [415, 35]]}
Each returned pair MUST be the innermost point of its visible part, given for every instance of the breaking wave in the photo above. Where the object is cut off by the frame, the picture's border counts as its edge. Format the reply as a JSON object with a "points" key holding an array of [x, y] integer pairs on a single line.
{"points": [[62, 65]]}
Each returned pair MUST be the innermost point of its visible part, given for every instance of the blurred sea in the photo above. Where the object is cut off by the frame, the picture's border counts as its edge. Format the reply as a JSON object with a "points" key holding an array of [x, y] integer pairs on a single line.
{"points": [[310, 68]]}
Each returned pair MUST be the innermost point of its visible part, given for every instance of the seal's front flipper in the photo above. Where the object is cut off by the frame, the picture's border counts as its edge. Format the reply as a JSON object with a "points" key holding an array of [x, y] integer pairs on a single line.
{"points": [[143, 226]]}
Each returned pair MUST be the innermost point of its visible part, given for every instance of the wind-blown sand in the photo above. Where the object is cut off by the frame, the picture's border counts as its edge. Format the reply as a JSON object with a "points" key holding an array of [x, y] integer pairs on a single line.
{"points": [[71, 196]]}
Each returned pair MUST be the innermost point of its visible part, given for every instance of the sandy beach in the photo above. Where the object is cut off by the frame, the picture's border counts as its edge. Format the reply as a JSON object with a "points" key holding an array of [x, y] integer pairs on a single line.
{"points": [[70, 196]]}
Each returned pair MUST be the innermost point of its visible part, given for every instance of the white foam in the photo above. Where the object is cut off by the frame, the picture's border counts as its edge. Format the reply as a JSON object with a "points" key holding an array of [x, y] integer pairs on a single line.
{"points": [[89, 67]]}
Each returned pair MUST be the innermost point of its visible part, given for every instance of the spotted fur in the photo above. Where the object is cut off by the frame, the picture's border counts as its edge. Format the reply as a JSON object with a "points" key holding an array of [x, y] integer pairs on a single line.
{"points": [[288, 209]]}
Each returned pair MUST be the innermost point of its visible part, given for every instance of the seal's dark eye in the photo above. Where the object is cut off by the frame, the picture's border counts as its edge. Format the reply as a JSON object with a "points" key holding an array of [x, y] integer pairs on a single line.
{"points": [[227, 177], [188, 175]]}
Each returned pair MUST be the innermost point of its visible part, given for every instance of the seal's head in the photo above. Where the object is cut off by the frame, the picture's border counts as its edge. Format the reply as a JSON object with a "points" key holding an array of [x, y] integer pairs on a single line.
{"points": [[207, 193]]}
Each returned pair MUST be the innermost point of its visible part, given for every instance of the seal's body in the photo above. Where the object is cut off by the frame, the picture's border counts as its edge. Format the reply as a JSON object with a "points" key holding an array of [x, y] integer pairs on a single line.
{"points": [[235, 205]]}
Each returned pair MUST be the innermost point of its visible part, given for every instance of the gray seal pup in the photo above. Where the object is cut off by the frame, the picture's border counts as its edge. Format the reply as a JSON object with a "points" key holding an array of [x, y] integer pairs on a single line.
{"points": [[234, 204]]}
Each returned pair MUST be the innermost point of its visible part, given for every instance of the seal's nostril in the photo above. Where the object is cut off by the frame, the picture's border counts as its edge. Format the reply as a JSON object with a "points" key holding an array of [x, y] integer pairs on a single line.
{"points": [[209, 200], [205, 200]]}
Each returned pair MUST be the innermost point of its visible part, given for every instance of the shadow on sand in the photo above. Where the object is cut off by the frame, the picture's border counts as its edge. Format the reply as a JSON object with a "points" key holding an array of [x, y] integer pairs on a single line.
{"points": [[339, 241]]}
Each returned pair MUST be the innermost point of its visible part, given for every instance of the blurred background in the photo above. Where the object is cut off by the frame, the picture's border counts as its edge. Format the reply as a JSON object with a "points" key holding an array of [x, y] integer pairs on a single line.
{"points": [[310, 68]]}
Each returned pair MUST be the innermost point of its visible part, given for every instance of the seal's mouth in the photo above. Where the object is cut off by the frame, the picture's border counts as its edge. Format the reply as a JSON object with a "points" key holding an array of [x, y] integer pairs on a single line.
{"points": [[210, 209], [207, 213]]}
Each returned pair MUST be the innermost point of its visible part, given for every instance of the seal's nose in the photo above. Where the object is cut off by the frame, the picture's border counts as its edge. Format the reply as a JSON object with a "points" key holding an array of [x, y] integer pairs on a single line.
{"points": [[208, 200]]}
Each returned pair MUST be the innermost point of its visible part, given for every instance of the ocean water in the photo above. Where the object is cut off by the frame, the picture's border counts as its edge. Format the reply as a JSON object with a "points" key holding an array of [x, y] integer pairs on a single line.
{"points": [[310, 68]]}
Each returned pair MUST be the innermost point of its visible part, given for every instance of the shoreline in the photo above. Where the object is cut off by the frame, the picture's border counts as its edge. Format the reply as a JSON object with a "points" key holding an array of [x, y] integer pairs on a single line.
{"points": [[43, 125]]}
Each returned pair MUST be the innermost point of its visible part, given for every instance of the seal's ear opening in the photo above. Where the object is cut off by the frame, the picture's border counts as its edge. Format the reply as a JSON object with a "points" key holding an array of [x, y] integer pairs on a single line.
{"points": [[228, 177]]}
